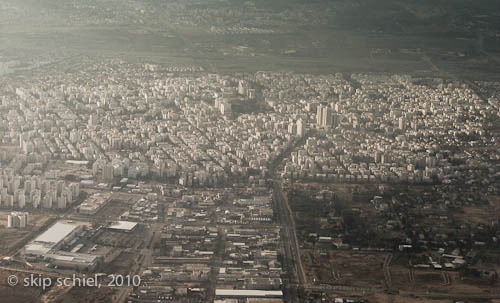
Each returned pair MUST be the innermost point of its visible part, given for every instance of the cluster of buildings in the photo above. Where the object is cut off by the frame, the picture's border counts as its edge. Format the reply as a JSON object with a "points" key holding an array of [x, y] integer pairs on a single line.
{"points": [[35, 191], [51, 246], [144, 210], [179, 273], [250, 259], [238, 257], [94, 203], [363, 128], [250, 267], [17, 219], [253, 210], [399, 130], [165, 127], [428, 227], [254, 18], [122, 123]]}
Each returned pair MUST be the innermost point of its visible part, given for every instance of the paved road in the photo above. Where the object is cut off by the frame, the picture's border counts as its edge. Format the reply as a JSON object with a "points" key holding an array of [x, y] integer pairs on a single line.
{"points": [[292, 249], [293, 262]]}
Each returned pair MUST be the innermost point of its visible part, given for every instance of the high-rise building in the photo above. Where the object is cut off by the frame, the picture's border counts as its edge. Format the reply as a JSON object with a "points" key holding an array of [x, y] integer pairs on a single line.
{"points": [[107, 172], [75, 190], [21, 200], [324, 116], [326, 120], [300, 128], [94, 119], [242, 88], [27, 186], [36, 198], [95, 169], [17, 219], [319, 115], [430, 161], [59, 186], [48, 200], [61, 202], [402, 123], [225, 108]]}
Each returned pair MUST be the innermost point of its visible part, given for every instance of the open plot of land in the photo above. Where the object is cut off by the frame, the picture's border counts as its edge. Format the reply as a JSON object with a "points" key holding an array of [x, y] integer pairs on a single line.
{"points": [[9, 238], [123, 240], [477, 215], [112, 210], [384, 298], [346, 191], [125, 197], [495, 202], [18, 293], [12, 239], [87, 295], [429, 280], [122, 264], [346, 268], [69, 171], [481, 214], [428, 277], [35, 220], [336, 51]]}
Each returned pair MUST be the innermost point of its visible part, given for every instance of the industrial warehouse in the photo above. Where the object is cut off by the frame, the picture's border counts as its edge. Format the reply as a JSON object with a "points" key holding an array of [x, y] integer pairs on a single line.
{"points": [[123, 226], [48, 247]]}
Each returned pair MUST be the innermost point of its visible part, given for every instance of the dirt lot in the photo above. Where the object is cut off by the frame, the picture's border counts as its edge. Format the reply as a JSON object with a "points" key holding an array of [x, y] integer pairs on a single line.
{"points": [[87, 295], [495, 203], [477, 215], [112, 210], [383, 298], [481, 214], [125, 197], [11, 239], [435, 281], [345, 268], [19, 293], [121, 265], [121, 239]]}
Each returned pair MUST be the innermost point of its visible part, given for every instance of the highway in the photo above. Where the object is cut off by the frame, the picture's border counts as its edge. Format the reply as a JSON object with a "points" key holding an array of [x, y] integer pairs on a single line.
{"points": [[144, 260], [292, 251], [293, 263]]}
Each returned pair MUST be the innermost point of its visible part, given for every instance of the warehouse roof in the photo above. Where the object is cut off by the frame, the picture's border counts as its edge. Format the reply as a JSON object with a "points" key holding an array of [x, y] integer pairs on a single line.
{"points": [[56, 233], [123, 225]]}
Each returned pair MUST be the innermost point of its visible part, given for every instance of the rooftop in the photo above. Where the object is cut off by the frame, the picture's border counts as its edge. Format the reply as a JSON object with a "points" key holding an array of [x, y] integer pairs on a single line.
{"points": [[123, 225], [56, 233]]}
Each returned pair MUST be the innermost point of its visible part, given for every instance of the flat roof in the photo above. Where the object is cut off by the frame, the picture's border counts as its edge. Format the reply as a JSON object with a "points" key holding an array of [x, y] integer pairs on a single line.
{"points": [[37, 248], [72, 257], [77, 162], [248, 293], [56, 233], [123, 225]]}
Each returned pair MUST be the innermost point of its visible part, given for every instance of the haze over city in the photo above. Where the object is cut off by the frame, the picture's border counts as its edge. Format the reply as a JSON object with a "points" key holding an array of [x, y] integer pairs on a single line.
{"points": [[250, 151]]}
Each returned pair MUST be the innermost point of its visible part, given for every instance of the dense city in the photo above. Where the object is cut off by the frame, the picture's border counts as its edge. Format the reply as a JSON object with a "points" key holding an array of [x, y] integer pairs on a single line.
{"points": [[182, 178], [249, 151]]}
